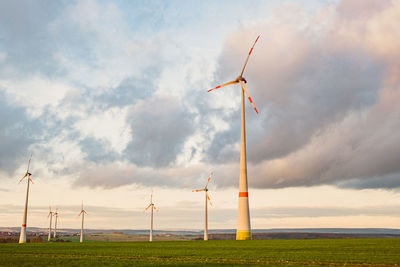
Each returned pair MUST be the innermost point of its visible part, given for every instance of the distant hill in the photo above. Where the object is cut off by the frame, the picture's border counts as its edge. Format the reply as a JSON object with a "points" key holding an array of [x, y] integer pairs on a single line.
{"points": [[371, 231]]}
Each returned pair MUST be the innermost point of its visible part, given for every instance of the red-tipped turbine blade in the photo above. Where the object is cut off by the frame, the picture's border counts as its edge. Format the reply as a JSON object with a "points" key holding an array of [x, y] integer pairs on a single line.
{"points": [[222, 85], [198, 190], [247, 59], [208, 180], [208, 197], [247, 93]]}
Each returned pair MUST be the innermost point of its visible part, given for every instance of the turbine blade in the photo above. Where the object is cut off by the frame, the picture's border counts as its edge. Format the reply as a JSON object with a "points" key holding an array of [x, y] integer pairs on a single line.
{"points": [[222, 85], [247, 59], [247, 93], [208, 197], [198, 190], [29, 163], [208, 180], [23, 178], [31, 180], [85, 212], [155, 208], [148, 207], [80, 213]]}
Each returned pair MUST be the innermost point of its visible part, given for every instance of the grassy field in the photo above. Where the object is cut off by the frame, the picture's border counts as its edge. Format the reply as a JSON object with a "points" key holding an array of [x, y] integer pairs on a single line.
{"points": [[332, 252]]}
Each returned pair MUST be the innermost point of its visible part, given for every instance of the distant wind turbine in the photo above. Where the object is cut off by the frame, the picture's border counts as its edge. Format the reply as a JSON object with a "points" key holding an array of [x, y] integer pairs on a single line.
{"points": [[243, 230], [51, 218], [205, 189], [83, 212], [152, 207], [55, 214], [22, 236]]}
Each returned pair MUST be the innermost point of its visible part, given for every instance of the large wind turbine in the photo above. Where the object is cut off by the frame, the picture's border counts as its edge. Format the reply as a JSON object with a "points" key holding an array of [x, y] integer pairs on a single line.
{"points": [[205, 189], [22, 236], [55, 214], [243, 230], [83, 212], [51, 218], [152, 207]]}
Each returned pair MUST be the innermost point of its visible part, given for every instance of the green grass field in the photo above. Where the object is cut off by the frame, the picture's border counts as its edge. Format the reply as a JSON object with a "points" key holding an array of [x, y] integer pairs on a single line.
{"points": [[326, 252]]}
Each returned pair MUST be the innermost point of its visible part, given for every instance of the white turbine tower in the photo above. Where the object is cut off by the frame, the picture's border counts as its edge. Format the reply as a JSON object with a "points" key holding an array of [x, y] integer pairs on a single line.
{"points": [[83, 212], [55, 214], [51, 218], [152, 207], [243, 231], [22, 236], [205, 189]]}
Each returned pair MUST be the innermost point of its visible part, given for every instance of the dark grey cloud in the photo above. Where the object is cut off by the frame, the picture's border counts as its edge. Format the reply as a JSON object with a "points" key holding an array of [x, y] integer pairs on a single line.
{"points": [[390, 181], [25, 38], [97, 150], [299, 97], [160, 127], [17, 133], [130, 90]]}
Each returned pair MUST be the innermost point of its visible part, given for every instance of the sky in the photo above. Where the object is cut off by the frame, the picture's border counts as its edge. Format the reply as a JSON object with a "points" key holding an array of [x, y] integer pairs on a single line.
{"points": [[111, 99]]}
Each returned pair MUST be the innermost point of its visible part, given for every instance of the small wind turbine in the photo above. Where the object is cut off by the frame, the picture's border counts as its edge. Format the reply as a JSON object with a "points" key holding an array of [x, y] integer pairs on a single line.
{"points": [[55, 214], [51, 218], [205, 189], [22, 236], [83, 212], [243, 230], [152, 207]]}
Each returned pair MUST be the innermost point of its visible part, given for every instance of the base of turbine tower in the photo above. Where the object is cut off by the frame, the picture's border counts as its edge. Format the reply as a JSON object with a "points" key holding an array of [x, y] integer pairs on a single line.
{"points": [[243, 235]]}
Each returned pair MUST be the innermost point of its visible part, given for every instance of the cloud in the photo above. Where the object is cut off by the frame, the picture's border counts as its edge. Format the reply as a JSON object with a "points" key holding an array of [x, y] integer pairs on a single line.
{"points": [[117, 174], [24, 36], [159, 129], [17, 133], [326, 92], [390, 181]]}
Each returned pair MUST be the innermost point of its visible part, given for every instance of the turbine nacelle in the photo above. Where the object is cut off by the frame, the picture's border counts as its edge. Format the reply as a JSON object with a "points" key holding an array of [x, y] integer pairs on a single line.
{"points": [[205, 189], [27, 174], [240, 78]]}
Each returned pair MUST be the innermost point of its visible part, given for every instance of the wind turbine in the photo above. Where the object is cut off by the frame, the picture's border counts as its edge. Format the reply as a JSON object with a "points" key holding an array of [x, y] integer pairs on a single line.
{"points": [[83, 212], [205, 189], [51, 218], [152, 207], [243, 231], [55, 214], [22, 236]]}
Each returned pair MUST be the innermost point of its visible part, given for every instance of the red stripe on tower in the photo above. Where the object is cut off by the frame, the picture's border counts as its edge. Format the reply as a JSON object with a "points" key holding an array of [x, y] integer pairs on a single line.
{"points": [[24, 225], [243, 194]]}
